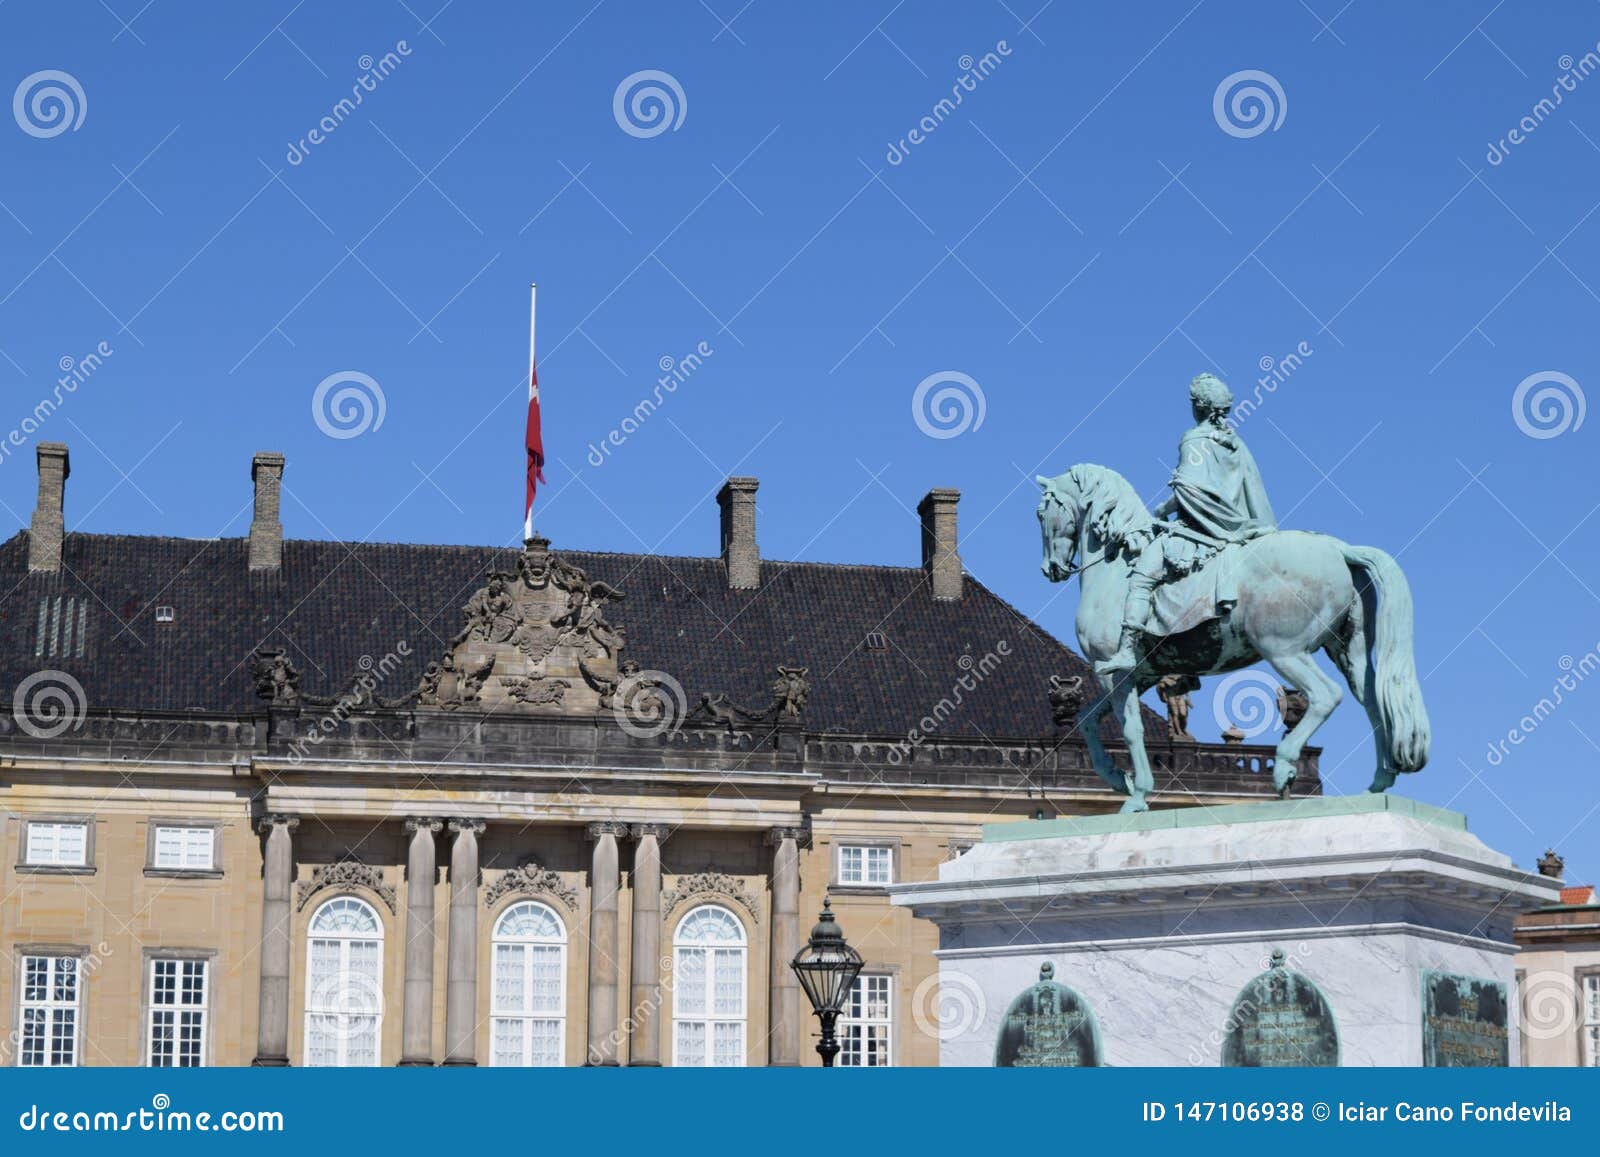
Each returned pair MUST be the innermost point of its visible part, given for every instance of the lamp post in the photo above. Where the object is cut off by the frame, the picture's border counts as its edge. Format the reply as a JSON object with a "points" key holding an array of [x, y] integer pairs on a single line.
{"points": [[827, 968]]}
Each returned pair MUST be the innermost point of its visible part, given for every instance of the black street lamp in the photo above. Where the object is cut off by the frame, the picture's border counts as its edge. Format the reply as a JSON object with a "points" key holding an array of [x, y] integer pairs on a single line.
{"points": [[827, 968]]}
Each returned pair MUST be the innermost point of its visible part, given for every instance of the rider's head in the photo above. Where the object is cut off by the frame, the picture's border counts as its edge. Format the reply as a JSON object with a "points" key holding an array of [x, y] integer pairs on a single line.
{"points": [[1211, 398]]}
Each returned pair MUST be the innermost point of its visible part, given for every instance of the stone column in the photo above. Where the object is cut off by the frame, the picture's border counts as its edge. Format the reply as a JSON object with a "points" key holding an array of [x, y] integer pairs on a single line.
{"points": [[784, 1010], [603, 946], [272, 1007], [461, 978], [422, 876], [644, 1020]]}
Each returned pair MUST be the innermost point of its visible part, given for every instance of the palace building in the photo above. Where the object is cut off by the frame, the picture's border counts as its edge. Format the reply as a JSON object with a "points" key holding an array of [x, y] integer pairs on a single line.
{"points": [[276, 801]]}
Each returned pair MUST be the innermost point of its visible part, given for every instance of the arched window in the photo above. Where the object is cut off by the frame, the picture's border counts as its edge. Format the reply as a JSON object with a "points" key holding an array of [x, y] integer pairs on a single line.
{"points": [[529, 1006], [709, 959], [344, 984]]}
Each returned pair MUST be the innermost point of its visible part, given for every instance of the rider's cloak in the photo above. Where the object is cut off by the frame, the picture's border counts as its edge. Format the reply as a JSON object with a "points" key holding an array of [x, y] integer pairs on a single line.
{"points": [[1218, 486]]}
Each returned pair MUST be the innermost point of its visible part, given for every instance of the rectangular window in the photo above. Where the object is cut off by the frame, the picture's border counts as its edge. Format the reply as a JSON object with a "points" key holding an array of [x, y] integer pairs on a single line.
{"points": [[1591, 1020], [179, 992], [866, 1028], [864, 864], [63, 627], [183, 849], [49, 1011], [56, 844]]}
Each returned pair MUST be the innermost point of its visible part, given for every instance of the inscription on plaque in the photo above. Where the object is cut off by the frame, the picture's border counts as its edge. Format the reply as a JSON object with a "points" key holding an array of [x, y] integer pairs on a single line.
{"points": [[1464, 1022], [1280, 1020], [1049, 1026]]}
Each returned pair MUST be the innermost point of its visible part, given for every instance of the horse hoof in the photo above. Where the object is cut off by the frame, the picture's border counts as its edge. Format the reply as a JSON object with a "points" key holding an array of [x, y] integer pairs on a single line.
{"points": [[1136, 803], [1285, 790], [1381, 782]]}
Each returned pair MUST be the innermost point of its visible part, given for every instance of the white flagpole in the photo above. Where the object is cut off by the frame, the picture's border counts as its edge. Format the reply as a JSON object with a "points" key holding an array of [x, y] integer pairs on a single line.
{"points": [[533, 389]]}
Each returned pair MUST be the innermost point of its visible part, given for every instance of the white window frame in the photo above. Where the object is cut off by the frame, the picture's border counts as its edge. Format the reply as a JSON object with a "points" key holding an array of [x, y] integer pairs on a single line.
{"points": [[526, 1016], [1589, 1019], [344, 940], [35, 856], [708, 1016], [51, 1008], [860, 874], [191, 837], [179, 1009], [851, 1020]]}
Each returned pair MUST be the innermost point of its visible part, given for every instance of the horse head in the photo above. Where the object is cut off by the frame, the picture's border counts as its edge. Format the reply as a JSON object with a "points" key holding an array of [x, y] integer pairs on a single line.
{"points": [[1058, 521], [1086, 506]]}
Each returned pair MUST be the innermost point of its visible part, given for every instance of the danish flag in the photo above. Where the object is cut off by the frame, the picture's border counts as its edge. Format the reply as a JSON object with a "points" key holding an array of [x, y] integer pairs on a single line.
{"points": [[535, 440]]}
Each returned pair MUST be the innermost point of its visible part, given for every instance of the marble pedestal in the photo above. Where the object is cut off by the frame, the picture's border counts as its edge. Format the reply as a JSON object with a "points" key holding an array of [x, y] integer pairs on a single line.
{"points": [[1159, 922]]}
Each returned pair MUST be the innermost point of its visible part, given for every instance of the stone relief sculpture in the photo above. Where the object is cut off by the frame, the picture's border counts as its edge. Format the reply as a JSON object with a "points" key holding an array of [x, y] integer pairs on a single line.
{"points": [[1174, 690], [1219, 587], [790, 691], [538, 639], [530, 879], [344, 874], [1066, 699], [712, 884], [275, 677]]}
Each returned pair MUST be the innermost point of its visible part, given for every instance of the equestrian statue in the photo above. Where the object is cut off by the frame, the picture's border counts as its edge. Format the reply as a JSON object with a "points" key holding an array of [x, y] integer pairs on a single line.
{"points": [[1207, 583]]}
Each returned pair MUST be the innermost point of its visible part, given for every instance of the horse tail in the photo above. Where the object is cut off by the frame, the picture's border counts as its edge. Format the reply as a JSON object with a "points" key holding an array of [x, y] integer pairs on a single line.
{"points": [[1399, 694]]}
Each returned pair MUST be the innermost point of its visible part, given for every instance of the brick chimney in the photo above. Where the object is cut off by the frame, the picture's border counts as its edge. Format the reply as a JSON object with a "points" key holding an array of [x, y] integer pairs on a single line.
{"points": [[740, 555], [49, 525], [266, 531], [939, 557]]}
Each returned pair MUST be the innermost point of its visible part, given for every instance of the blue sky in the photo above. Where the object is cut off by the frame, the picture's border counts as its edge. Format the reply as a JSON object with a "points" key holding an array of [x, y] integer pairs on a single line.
{"points": [[1080, 237]]}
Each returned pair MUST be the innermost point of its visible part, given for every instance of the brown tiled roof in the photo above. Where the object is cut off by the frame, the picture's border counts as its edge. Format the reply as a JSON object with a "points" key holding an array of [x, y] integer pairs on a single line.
{"points": [[335, 603]]}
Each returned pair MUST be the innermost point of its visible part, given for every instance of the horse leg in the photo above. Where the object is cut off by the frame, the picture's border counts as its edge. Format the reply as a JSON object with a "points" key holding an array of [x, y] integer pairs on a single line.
{"points": [[1350, 656], [1141, 782], [1322, 693], [1089, 727]]}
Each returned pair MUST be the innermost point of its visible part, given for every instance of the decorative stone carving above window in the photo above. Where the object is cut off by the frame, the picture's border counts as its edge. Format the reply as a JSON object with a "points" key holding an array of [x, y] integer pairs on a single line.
{"points": [[344, 874], [531, 880], [709, 884]]}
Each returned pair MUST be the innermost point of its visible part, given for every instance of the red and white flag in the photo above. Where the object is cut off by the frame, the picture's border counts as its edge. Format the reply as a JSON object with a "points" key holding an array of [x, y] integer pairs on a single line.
{"points": [[535, 440]]}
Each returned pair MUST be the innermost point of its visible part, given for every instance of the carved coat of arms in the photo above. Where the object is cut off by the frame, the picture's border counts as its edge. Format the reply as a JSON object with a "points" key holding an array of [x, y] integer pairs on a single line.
{"points": [[535, 640]]}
